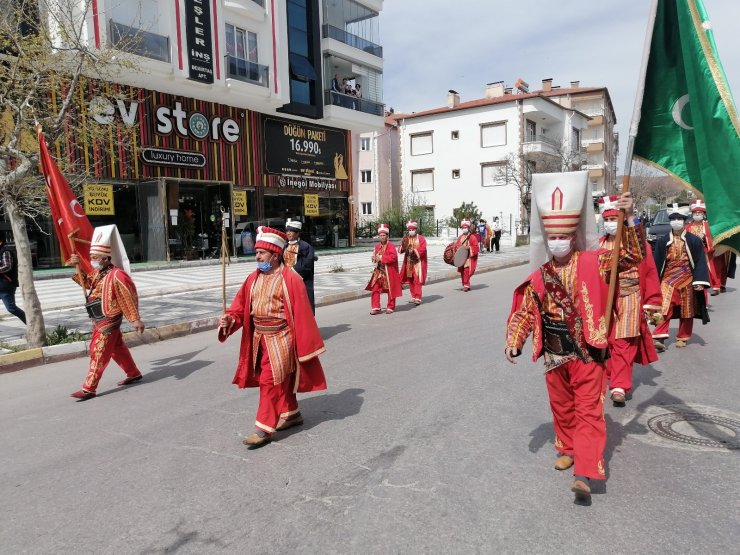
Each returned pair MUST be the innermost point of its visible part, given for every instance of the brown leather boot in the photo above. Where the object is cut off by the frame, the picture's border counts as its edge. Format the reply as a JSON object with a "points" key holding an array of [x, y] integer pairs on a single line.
{"points": [[255, 441], [563, 462], [581, 489], [286, 423]]}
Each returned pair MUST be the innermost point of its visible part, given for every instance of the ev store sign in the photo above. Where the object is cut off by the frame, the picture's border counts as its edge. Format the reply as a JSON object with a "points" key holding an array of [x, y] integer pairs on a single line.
{"points": [[167, 119]]}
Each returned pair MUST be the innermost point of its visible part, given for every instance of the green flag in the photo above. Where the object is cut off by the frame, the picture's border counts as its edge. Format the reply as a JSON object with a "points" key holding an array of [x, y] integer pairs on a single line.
{"points": [[688, 124]]}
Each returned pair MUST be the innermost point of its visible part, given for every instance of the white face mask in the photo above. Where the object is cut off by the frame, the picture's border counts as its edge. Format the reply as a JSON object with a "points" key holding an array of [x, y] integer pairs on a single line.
{"points": [[96, 264], [559, 247], [466, 230], [698, 216], [610, 228], [412, 232], [677, 224]]}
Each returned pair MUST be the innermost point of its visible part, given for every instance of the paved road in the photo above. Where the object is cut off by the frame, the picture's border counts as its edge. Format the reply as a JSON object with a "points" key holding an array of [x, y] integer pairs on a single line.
{"points": [[425, 442], [185, 294]]}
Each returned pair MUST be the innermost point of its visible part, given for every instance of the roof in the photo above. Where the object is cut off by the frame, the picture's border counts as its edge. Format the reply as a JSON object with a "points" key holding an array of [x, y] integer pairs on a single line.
{"points": [[509, 98]]}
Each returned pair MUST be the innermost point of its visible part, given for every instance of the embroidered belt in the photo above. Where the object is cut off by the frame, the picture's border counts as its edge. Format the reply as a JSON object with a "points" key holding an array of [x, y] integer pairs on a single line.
{"points": [[269, 325]]}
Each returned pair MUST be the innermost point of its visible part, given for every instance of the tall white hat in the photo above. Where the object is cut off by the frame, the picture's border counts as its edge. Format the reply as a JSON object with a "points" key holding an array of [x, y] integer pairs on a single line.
{"points": [[293, 225], [107, 241]]}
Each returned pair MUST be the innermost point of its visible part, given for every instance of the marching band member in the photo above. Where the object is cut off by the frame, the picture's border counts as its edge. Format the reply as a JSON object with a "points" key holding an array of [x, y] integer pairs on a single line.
{"points": [[385, 278], [300, 256], [414, 267], [469, 240]]}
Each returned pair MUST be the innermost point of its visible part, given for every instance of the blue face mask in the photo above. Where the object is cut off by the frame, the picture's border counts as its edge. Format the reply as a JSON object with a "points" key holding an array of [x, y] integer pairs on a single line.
{"points": [[264, 266]]}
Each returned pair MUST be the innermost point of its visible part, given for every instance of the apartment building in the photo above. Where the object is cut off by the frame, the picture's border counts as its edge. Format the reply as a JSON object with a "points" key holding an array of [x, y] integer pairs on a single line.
{"points": [[477, 151], [233, 105]]}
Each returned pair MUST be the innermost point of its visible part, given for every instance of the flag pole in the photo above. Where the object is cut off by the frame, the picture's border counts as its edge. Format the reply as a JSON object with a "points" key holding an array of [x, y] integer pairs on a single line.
{"points": [[614, 272], [224, 258]]}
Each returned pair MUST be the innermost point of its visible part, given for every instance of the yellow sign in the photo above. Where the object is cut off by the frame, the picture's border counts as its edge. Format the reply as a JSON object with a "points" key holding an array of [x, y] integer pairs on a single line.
{"points": [[99, 200], [311, 205], [240, 203]]}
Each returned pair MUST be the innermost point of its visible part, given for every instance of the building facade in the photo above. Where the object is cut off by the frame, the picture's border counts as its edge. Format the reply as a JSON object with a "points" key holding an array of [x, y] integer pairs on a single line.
{"points": [[230, 107], [478, 151]]}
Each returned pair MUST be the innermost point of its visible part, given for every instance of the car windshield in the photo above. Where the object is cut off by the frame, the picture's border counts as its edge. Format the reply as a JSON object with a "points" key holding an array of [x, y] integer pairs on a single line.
{"points": [[661, 217]]}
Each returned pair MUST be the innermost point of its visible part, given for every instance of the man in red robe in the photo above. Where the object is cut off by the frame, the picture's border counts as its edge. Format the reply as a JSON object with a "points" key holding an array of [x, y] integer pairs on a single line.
{"points": [[385, 278], [467, 240], [414, 267], [280, 342], [562, 304], [639, 293], [112, 296], [699, 225]]}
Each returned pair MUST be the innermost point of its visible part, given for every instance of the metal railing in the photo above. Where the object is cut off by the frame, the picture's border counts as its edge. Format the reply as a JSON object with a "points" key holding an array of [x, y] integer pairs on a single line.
{"points": [[353, 103], [335, 33], [532, 138], [260, 3], [139, 42], [249, 72]]}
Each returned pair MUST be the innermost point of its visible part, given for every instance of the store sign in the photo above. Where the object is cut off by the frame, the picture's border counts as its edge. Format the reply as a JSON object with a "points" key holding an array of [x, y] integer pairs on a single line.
{"points": [[195, 124], [98, 200], [298, 182], [200, 47], [169, 157], [295, 148], [239, 198], [311, 205]]}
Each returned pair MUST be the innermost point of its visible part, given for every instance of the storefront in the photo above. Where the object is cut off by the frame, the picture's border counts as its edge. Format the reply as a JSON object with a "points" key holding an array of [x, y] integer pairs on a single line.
{"points": [[166, 168]]}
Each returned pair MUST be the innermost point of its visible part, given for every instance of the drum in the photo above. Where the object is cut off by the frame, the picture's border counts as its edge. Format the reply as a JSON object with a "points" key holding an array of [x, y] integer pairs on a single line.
{"points": [[461, 256], [449, 254]]}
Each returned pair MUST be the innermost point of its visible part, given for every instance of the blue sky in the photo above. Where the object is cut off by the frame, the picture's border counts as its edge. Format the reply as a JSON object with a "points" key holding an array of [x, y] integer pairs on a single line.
{"points": [[431, 46]]}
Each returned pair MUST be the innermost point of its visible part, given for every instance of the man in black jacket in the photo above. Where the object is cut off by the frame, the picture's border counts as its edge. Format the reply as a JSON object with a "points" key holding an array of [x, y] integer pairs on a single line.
{"points": [[300, 256], [9, 280], [682, 267]]}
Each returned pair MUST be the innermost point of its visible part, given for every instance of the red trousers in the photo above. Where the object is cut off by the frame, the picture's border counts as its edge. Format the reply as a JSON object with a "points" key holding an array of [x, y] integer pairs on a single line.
{"points": [[375, 297], [103, 347], [276, 400], [415, 287], [619, 365], [685, 328], [576, 391], [465, 276]]}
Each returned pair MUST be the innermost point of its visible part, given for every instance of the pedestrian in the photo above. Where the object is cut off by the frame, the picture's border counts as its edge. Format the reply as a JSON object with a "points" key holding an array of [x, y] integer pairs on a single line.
{"points": [[562, 304], [385, 278], [414, 267], [497, 233], [481, 235], [280, 343], [112, 296], [300, 256], [699, 226], [682, 267], [639, 293], [9, 280], [470, 241], [725, 263]]}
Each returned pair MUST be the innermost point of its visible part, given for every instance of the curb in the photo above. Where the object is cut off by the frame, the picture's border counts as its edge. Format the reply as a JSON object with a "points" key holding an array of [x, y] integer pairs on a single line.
{"points": [[21, 360]]}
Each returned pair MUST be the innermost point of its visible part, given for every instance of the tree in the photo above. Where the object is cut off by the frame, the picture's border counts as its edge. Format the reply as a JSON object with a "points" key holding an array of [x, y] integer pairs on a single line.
{"points": [[37, 60], [650, 187], [517, 169], [467, 210]]}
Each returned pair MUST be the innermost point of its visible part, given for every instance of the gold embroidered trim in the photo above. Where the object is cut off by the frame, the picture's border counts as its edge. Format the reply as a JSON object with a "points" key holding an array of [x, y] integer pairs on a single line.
{"points": [[595, 335]]}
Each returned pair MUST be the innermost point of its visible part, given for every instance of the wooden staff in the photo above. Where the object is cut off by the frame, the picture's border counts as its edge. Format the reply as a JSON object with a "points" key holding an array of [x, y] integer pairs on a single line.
{"points": [[225, 259], [614, 271]]}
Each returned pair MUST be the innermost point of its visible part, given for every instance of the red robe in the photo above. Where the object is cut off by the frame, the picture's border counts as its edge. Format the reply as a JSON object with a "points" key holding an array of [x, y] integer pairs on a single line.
{"points": [[393, 279], [307, 342], [474, 248], [422, 260]]}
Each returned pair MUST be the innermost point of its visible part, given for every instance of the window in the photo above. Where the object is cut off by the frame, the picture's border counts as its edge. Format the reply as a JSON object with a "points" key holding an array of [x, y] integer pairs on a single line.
{"points": [[576, 139], [365, 143], [531, 132], [367, 208], [366, 176], [455, 135], [421, 143], [241, 44], [455, 174], [493, 174], [422, 181], [493, 134]]}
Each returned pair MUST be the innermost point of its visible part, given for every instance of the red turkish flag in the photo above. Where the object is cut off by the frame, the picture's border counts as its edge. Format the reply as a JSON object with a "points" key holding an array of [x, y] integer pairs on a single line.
{"points": [[70, 222]]}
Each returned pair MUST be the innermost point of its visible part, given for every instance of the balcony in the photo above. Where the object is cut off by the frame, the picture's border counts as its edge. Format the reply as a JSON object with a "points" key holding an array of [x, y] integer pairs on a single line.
{"points": [[248, 72], [596, 120], [142, 43], [540, 144], [354, 103], [352, 40]]}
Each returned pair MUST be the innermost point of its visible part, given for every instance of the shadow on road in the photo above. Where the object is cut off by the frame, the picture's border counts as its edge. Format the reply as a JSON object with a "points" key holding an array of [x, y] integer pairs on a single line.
{"points": [[184, 538], [541, 435], [644, 375], [330, 331], [332, 406], [179, 366], [479, 286]]}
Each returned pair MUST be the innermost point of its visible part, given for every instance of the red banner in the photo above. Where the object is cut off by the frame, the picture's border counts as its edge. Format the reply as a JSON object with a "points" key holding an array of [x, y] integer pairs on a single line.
{"points": [[70, 222]]}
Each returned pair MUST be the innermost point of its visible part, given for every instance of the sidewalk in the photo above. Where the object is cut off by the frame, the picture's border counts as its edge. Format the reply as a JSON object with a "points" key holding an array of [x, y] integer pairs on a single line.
{"points": [[189, 297]]}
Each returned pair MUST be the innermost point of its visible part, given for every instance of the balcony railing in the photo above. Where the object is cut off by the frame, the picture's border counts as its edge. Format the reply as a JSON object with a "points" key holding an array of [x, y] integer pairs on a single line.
{"points": [[352, 40], [246, 71], [139, 42], [532, 138], [353, 103], [260, 3]]}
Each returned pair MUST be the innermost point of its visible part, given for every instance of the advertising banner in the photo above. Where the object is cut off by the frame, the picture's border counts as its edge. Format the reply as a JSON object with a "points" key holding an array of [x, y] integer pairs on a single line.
{"points": [[98, 200], [200, 47], [311, 205], [240, 203]]}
